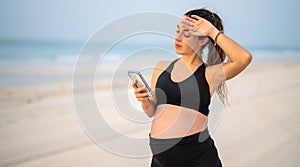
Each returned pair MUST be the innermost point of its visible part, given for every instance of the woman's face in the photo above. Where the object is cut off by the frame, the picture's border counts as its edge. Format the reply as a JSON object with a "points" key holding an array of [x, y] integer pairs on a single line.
{"points": [[185, 42]]}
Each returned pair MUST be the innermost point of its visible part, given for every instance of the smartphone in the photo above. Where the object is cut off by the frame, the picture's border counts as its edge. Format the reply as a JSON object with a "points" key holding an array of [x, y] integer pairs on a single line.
{"points": [[140, 81]]}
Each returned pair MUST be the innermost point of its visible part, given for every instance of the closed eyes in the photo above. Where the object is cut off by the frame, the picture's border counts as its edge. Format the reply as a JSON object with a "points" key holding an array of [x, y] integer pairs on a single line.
{"points": [[186, 32]]}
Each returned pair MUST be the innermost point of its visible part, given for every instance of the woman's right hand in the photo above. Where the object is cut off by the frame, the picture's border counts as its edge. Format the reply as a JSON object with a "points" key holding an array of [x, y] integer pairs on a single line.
{"points": [[141, 93]]}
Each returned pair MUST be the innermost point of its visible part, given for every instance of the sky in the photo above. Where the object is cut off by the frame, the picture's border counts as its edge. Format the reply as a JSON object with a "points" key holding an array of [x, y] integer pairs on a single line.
{"points": [[254, 23]]}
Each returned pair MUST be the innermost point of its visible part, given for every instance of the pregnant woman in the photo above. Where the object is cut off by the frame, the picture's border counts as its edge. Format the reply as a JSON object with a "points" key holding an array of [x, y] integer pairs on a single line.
{"points": [[183, 88]]}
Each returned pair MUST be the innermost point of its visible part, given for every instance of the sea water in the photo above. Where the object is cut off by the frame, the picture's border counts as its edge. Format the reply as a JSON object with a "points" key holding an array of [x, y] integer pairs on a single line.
{"points": [[29, 63]]}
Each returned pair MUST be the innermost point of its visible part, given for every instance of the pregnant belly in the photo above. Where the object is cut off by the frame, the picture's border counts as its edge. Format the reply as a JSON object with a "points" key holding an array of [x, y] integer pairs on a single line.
{"points": [[172, 121]]}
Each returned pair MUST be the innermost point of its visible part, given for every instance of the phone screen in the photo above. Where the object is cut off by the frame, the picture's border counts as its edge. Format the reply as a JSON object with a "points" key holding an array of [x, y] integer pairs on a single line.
{"points": [[140, 81]]}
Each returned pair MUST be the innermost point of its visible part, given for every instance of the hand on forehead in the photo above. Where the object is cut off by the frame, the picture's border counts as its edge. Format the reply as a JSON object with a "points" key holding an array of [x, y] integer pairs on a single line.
{"points": [[187, 22], [196, 25], [184, 23]]}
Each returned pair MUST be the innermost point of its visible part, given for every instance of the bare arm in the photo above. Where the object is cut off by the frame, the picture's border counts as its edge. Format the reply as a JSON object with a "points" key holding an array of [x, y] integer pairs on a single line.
{"points": [[239, 58], [149, 103]]}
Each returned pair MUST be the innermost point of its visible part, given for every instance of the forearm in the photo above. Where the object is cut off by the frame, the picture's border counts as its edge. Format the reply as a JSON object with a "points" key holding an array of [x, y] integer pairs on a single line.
{"points": [[235, 52], [149, 107]]}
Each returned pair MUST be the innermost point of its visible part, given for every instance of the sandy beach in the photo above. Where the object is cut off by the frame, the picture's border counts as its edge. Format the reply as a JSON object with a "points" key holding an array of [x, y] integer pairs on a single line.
{"points": [[39, 125]]}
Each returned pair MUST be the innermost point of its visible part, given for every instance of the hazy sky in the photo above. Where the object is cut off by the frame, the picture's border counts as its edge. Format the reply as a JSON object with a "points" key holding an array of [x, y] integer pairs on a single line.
{"points": [[251, 22]]}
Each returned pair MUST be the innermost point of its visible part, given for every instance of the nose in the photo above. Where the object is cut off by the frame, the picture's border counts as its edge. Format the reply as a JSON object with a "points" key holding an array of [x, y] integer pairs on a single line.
{"points": [[178, 36]]}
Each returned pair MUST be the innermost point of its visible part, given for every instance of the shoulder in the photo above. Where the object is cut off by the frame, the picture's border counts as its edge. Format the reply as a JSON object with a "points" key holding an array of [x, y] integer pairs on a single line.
{"points": [[159, 68], [162, 65]]}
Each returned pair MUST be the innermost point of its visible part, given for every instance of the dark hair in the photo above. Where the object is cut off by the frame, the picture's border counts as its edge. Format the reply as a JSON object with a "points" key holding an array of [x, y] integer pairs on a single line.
{"points": [[216, 54]]}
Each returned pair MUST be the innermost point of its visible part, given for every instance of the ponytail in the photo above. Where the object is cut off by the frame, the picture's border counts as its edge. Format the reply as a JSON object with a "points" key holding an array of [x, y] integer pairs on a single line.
{"points": [[215, 55]]}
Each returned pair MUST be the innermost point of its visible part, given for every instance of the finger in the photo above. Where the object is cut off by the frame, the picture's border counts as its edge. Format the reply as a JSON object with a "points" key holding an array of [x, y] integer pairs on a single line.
{"points": [[195, 29], [190, 19], [185, 27], [133, 84], [196, 17], [142, 99], [140, 89], [186, 23], [142, 95]]}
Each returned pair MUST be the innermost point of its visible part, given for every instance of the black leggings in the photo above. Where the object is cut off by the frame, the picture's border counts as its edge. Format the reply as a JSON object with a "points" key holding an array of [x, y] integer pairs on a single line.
{"points": [[195, 150]]}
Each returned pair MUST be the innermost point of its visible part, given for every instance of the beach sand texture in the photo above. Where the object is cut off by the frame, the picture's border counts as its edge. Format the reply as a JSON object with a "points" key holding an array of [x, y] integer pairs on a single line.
{"points": [[39, 126]]}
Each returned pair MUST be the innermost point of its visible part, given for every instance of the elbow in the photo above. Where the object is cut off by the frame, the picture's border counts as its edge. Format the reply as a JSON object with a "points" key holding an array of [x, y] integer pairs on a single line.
{"points": [[150, 112], [150, 115], [247, 58]]}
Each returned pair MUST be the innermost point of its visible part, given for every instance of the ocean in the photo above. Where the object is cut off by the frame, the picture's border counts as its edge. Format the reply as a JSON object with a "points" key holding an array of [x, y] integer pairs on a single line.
{"points": [[29, 63]]}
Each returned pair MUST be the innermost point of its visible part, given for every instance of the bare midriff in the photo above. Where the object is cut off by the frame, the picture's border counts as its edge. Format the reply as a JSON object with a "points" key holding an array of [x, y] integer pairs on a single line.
{"points": [[172, 121]]}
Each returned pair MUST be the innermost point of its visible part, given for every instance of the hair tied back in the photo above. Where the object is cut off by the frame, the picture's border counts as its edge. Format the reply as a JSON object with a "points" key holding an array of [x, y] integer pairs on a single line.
{"points": [[213, 15]]}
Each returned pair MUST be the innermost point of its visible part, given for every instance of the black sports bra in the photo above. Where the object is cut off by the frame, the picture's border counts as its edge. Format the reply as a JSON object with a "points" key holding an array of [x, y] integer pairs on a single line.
{"points": [[192, 92]]}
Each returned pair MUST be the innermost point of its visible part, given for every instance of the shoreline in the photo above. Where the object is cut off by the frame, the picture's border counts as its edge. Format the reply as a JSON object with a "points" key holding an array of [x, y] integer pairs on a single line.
{"points": [[62, 74]]}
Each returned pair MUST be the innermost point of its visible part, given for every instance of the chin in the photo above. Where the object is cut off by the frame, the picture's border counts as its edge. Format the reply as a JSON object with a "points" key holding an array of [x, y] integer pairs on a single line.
{"points": [[179, 52]]}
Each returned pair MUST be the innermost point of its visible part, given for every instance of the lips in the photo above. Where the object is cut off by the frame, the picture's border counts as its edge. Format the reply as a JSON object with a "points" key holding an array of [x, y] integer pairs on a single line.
{"points": [[177, 45]]}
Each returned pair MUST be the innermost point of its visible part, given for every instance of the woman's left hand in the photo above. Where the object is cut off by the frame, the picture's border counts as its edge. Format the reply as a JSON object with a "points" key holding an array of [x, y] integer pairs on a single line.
{"points": [[197, 25]]}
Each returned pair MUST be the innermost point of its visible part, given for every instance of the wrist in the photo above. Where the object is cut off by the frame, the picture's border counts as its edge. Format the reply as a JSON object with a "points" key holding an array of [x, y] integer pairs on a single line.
{"points": [[146, 101], [146, 104], [213, 33]]}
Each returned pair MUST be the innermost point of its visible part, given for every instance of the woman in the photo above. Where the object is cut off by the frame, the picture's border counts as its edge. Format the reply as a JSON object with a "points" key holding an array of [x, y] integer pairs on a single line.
{"points": [[179, 135]]}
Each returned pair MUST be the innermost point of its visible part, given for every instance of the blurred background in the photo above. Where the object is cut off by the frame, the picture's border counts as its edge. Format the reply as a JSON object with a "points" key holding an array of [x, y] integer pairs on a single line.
{"points": [[40, 42]]}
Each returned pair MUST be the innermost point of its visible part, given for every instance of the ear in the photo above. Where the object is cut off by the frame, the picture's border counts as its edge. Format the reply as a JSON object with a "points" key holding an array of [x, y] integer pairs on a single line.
{"points": [[203, 41]]}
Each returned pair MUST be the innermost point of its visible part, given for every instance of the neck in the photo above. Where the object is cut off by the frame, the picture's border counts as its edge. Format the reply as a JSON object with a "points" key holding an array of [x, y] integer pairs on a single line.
{"points": [[191, 60]]}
